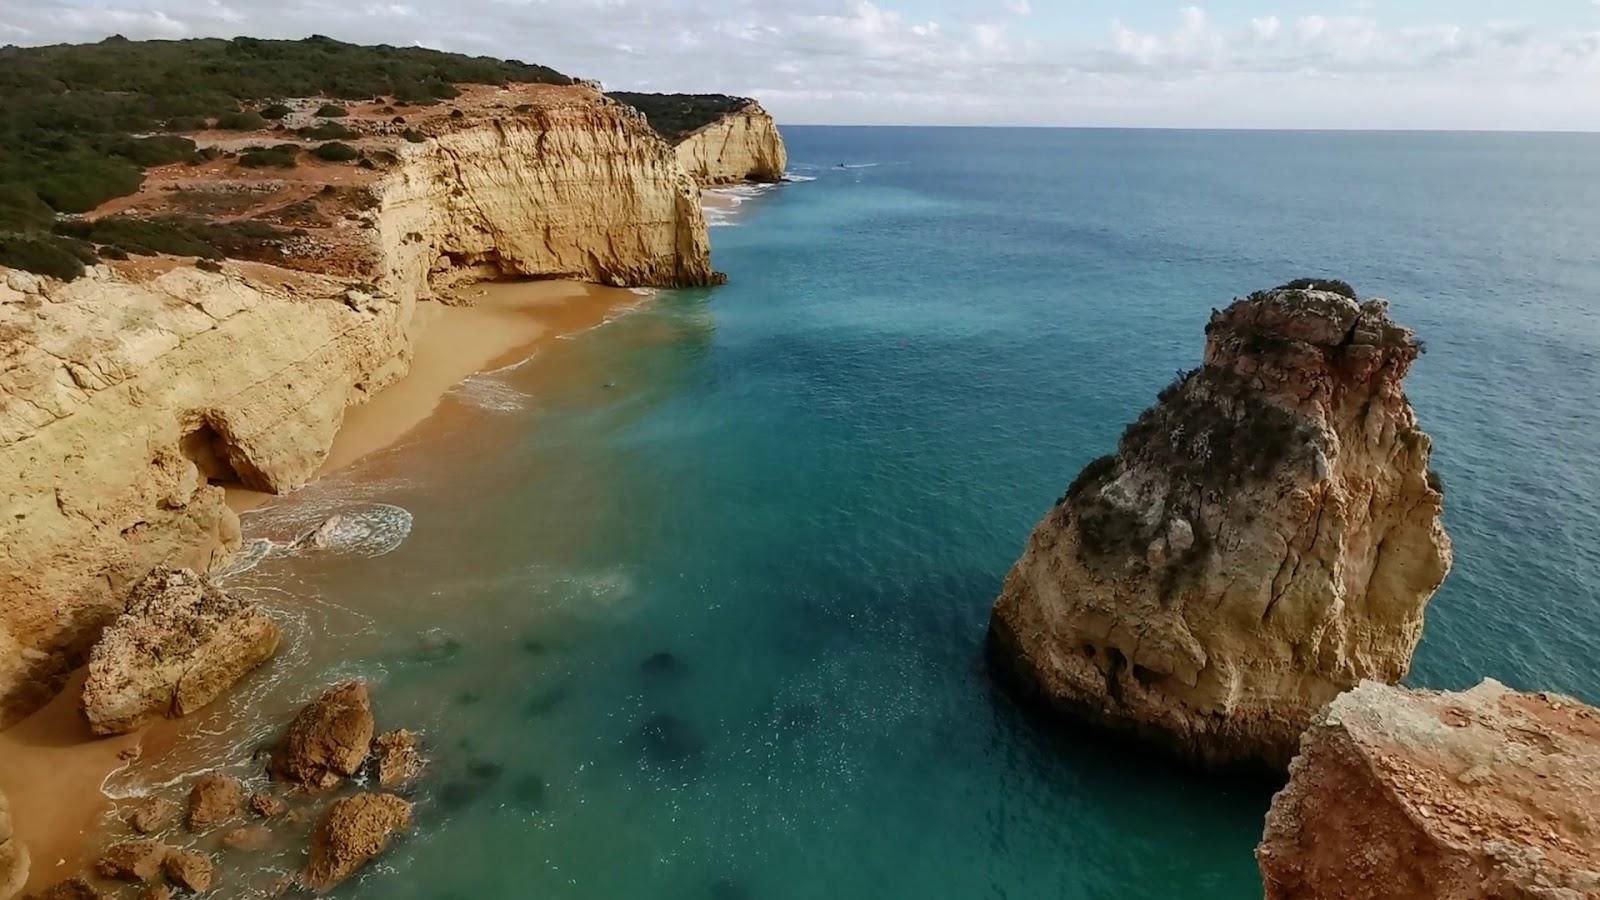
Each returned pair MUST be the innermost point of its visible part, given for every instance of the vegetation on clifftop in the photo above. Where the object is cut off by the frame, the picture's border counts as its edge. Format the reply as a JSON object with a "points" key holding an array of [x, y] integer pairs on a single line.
{"points": [[675, 116], [79, 123]]}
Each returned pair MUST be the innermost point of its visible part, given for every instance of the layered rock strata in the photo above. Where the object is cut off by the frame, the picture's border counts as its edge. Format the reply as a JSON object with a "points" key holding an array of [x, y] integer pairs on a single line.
{"points": [[179, 643], [1265, 536], [1423, 795], [131, 397], [743, 145]]}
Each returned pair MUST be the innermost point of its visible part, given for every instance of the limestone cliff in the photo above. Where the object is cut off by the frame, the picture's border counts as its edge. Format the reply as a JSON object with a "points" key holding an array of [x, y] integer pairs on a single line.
{"points": [[1265, 536], [129, 397], [743, 145], [1420, 795]]}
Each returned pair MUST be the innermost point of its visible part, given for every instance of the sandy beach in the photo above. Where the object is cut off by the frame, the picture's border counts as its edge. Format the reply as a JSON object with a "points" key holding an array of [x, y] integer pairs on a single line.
{"points": [[52, 769]]}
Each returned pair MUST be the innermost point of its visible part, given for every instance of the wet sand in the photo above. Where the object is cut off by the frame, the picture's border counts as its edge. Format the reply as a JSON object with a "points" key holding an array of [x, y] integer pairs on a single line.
{"points": [[52, 769]]}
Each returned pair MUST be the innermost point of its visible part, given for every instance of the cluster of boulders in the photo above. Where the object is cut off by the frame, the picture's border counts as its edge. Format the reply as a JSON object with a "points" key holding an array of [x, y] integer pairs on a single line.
{"points": [[328, 743], [1252, 562]]}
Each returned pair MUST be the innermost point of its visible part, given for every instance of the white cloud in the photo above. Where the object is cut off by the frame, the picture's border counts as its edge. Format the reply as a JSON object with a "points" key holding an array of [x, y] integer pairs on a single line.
{"points": [[874, 61]]}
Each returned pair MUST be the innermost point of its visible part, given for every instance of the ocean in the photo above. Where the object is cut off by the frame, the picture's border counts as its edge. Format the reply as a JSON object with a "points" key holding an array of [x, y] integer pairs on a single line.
{"points": [[693, 604]]}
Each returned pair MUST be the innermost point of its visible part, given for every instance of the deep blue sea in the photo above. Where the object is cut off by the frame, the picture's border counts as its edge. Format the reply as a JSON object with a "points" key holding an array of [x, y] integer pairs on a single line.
{"points": [[695, 607]]}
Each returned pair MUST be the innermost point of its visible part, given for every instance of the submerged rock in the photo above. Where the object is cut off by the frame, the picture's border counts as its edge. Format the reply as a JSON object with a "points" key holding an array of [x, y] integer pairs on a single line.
{"points": [[1264, 537], [265, 805], [152, 814], [668, 739], [329, 739], [663, 665], [214, 799], [398, 759], [355, 830], [247, 838], [179, 643], [1422, 795]]}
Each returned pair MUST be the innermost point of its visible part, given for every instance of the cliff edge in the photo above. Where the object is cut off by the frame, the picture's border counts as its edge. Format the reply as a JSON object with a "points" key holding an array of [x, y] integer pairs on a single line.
{"points": [[1488, 794], [1266, 536]]}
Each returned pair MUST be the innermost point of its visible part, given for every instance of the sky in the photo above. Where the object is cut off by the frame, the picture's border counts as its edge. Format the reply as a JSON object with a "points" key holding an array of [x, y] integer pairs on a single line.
{"points": [[1384, 64]]}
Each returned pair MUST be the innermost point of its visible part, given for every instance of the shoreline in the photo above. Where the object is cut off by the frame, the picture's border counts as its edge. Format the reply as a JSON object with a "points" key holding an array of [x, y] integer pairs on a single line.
{"points": [[55, 770]]}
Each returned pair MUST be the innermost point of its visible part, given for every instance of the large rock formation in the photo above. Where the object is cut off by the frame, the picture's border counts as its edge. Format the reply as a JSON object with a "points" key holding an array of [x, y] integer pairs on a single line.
{"points": [[130, 397], [13, 856], [1421, 795], [1265, 536], [180, 642], [742, 146]]}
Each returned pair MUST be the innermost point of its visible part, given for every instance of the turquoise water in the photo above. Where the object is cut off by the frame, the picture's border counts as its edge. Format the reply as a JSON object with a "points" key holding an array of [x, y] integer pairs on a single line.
{"points": [[714, 630]]}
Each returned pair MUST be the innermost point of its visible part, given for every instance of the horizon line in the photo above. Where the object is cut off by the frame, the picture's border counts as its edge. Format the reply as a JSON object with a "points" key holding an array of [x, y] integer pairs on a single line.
{"points": [[1243, 128]]}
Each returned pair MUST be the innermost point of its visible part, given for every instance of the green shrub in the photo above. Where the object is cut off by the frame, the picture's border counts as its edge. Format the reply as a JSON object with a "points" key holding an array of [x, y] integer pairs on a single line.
{"points": [[332, 111], [275, 111], [22, 210], [185, 123], [333, 151], [241, 121], [673, 116], [413, 135], [79, 182], [155, 151], [327, 131], [264, 158], [40, 255]]}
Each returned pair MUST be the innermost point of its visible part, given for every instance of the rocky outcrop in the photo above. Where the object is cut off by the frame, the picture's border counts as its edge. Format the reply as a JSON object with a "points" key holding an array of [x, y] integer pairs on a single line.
{"points": [[1265, 536], [1487, 794], [191, 870], [180, 642], [743, 145], [355, 830], [328, 741], [137, 860], [241, 376], [396, 758], [14, 861]]}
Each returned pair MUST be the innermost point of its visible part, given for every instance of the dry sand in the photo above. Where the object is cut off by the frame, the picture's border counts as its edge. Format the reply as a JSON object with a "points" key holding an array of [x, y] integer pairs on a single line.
{"points": [[52, 769]]}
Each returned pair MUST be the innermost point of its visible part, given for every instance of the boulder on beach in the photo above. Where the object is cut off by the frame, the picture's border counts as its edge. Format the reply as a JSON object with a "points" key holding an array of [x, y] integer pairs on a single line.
{"points": [[355, 830], [190, 870], [329, 739], [397, 757], [135, 860], [1264, 537], [178, 644], [1424, 795], [214, 799]]}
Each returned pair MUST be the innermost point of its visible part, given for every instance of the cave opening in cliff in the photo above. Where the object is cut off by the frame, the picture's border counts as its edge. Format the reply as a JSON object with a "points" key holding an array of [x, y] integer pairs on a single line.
{"points": [[208, 450]]}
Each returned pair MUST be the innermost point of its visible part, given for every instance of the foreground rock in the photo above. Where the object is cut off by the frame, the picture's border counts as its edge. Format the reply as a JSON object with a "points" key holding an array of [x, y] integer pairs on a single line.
{"points": [[71, 889], [137, 860], [355, 830], [179, 643], [1421, 795], [190, 870], [1265, 536], [14, 862], [329, 739], [152, 814]]}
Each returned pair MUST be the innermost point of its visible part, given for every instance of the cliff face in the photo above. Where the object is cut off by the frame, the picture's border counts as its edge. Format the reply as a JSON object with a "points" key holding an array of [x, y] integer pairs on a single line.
{"points": [[742, 146], [1265, 536], [1420, 795], [128, 397], [577, 189]]}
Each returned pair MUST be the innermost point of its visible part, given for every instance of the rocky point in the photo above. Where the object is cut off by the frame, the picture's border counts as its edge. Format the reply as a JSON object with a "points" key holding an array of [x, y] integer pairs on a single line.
{"points": [[1265, 536]]}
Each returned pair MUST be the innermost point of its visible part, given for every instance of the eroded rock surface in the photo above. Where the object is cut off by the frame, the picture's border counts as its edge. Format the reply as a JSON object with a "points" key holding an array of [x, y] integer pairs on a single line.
{"points": [[397, 757], [191, 870], [14, 860], [137, 860], [179, 643], [152, 814], [1265, 536], [213, 800], [1487, 794], [355, 830], [328, 740]]}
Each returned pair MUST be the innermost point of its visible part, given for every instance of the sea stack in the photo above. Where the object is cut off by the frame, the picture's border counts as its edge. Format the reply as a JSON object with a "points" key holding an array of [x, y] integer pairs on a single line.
{"points": [[1264, 537], [1423, 795]]}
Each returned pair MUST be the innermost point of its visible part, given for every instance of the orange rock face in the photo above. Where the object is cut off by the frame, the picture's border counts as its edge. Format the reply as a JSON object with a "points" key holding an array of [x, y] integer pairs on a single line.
{"points": [[1487, 794]]}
